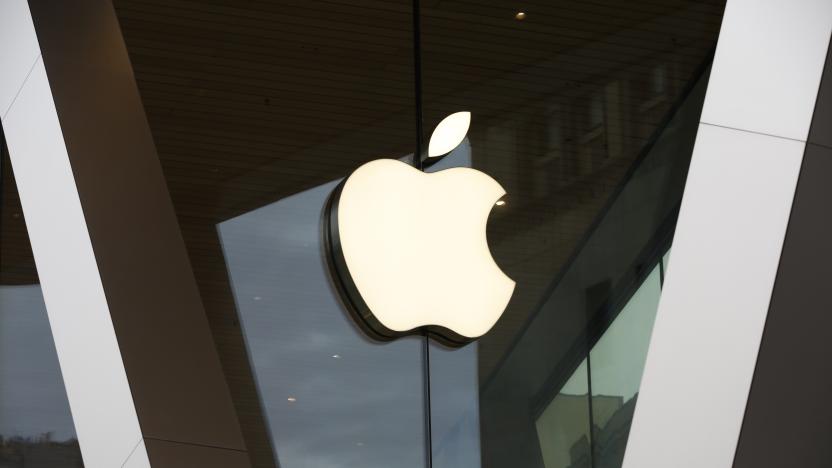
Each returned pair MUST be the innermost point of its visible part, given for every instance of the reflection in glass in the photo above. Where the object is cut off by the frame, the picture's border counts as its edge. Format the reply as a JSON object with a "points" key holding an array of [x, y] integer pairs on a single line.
{"points": [[617, 362], [36, 427], [550, 328], [586, 114], [331, 397], [566, 105], [250, 104], [563, 427], [612, 374], [455, 422]]}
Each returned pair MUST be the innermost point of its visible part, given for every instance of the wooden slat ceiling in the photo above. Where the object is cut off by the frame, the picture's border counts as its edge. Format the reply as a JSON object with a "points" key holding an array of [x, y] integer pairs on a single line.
{"points": [[232, 86]]}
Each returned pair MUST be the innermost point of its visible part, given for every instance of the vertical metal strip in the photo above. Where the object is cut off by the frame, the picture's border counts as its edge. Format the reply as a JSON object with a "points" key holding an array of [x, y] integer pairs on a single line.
{"points": [[417, 163], [417, 81], [427, 395]]}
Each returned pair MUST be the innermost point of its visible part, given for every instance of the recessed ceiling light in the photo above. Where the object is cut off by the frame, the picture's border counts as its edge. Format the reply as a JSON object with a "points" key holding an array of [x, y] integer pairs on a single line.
{"points": [[500, 202], [336, 356], [521, 15], [291, 399], [257, 298]]}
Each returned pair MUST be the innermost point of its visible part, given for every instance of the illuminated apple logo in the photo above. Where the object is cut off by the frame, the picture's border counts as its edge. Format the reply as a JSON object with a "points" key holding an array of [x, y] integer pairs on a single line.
{"points": [[409, 248]]}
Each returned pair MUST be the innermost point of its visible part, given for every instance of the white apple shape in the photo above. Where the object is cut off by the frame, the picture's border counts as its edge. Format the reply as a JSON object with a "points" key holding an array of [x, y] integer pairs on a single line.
{"points": [[414, 248], [449, 133]]}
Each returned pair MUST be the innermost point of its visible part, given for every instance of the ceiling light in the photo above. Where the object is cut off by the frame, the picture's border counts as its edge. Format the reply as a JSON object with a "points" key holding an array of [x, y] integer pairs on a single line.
{"points": [[520, 16]]}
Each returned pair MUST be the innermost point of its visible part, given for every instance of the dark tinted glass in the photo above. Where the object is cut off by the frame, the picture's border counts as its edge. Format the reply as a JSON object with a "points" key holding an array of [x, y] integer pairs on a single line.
{"points": [[584, 112], [257, 109], [331, 397], [36, 428]]}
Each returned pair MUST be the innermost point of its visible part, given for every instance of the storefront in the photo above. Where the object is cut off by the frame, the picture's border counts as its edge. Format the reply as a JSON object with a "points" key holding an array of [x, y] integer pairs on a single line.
{"points": [[230, 331]]}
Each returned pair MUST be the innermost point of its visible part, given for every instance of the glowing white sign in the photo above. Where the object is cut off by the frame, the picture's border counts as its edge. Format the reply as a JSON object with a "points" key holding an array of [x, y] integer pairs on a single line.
{"points": [[410, 247]]}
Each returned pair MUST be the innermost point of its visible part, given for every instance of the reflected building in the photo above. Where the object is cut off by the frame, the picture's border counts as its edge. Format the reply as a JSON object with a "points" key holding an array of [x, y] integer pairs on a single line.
{"points": [[39, 453]]}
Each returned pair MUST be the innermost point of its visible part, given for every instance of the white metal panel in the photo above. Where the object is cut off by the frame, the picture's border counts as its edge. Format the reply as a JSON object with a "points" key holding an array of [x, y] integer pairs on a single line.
{"points": [[768, 66], [93, 371], [20, 49], [730, 233], [715, 300], [139, 458]]}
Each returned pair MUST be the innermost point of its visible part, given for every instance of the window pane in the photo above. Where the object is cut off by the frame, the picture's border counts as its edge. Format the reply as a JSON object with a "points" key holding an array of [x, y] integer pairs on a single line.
{"points": [[617, 362], [586, 114], [331, 396], [563, 427], [257, 109], [36, 428]]}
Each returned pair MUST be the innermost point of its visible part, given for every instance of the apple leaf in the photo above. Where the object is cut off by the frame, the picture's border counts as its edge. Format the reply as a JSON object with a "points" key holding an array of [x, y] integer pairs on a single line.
{"points": [[449, 134]]}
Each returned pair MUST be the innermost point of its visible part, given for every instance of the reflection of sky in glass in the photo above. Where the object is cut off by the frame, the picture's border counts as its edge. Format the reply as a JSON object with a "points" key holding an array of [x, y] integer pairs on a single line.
{"points": [[362, 408], [455, 424], [32, 397], [455, 417], [356, 403]]}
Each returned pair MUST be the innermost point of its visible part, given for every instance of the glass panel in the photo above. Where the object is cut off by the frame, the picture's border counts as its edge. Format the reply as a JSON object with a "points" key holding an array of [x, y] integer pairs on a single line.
{"points": [[617, 362], [563, 427], [455, 418], [36, 428], [331, 396], [587, 115], [257, 109]]}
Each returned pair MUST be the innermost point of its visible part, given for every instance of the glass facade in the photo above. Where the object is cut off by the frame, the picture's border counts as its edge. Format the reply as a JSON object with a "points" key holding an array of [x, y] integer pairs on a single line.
{"points": [[585, 113], [36, 428], [330, 396], [575, 430], [616, 363], [174, 292]]}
